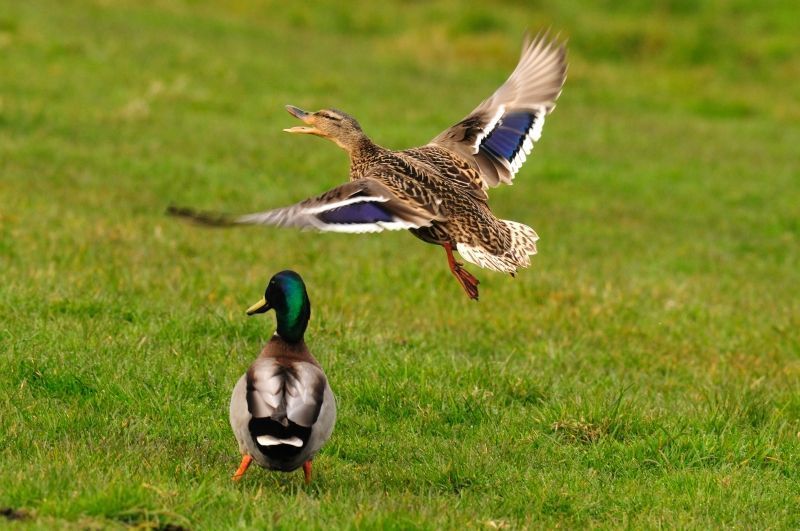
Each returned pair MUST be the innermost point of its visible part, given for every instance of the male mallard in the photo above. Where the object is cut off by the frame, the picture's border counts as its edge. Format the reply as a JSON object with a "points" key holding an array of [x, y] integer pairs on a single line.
{"points": [[437, 191], [282, 408]]}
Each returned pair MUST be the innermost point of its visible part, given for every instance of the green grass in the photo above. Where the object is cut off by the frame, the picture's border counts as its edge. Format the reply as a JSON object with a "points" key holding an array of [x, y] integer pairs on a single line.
{"points": [[644, 373]]}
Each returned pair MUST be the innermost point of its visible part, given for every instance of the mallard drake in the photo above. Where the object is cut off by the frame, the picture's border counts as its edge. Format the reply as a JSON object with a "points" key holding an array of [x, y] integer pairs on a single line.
{"points": [[282, 409], [437, 191]]}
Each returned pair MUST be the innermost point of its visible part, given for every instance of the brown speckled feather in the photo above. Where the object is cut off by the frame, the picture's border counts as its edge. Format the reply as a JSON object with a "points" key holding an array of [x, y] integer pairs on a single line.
{"points": [[437, 191]]}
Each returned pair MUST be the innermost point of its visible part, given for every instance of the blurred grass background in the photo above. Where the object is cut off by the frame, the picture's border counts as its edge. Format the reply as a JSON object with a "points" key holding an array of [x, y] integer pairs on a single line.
{"points": [[644, 372]]}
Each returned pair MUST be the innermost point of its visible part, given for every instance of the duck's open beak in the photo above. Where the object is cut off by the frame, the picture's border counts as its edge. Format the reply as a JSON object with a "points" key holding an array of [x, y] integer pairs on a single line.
{"points": [[259, 307], [306, 117]]}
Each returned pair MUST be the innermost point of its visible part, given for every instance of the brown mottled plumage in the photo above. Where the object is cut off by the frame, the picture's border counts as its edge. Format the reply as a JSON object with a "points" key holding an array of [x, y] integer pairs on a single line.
{"points": [[437, 191]]}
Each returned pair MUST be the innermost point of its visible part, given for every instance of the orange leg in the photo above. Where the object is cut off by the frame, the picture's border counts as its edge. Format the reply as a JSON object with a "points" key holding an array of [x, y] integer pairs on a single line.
{"points": [[464, 277], [246, 460], [307, 471]]}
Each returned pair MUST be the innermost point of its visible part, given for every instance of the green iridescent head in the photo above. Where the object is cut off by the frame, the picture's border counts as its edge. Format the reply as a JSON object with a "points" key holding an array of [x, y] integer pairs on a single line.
{"points": [[286, 294]]}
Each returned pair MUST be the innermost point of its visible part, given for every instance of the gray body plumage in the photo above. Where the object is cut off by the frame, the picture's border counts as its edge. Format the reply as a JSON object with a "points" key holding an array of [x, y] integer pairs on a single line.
{"points": [[282, 409]]}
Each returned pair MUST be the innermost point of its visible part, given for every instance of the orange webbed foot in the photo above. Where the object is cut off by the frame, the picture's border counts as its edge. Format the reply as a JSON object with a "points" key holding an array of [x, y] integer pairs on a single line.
{"points": [[246, 460], [468, 282]]}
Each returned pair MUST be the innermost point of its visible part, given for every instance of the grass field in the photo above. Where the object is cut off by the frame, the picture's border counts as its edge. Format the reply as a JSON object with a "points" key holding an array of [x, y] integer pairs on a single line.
{"points": [[644, 373]]}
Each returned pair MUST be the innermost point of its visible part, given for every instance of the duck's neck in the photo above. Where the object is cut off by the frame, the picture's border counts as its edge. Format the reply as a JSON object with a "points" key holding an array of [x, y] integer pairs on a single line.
{"points": [[293, 319], [361, 154]]}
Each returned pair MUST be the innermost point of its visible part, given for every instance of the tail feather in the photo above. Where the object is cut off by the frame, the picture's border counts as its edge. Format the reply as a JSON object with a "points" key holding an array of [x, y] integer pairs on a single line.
{"points": [[523, 242], [523, 245]]}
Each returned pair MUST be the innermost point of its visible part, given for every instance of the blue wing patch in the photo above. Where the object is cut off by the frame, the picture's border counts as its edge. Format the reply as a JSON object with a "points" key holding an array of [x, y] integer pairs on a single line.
{"points": [[508, 137], [356, 213]]}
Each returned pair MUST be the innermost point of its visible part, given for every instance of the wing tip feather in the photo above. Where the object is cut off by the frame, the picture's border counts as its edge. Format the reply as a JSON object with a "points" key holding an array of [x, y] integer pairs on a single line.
{"points": [[200, 217]]}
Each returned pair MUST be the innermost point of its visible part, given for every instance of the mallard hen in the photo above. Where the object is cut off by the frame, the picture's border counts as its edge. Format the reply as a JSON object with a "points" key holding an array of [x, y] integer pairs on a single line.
{"points": [[282, 409], [437, 191]]}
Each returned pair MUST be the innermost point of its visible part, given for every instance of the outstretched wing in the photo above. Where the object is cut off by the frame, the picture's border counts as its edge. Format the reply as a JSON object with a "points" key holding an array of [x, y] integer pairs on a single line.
{"points": [[365, 205], [499, 134]]}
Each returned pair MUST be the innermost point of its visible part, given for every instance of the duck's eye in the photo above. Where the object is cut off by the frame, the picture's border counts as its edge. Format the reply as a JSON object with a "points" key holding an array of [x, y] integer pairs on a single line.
{"points": [[331, 117]]}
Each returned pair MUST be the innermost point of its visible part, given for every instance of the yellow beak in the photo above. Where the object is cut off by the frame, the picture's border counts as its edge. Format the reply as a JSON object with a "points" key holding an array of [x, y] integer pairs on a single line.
{"points": [[259, 307]]}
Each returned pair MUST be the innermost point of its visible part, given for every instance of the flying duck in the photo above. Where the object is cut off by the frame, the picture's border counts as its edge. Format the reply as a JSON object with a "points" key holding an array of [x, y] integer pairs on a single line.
{"points": [[437, 191]]}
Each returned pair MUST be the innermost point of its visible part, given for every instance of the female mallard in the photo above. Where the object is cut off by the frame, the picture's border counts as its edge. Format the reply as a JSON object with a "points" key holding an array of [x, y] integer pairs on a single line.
{"points": [[282, 408], [437, 191]]}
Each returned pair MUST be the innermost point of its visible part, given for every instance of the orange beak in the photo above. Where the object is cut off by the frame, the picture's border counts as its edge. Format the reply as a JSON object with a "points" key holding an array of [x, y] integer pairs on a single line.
{"points": [[305, 117]]}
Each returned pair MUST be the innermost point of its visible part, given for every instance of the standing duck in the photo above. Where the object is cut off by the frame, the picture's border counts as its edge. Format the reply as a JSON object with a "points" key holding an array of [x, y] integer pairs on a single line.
{"points": [[282, 409], [437, 191]]}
